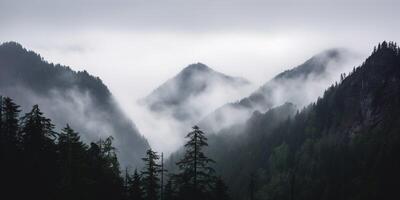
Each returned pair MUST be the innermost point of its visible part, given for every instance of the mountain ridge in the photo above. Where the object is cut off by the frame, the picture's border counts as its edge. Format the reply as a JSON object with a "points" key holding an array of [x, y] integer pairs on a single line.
{"points": [[284, 87], [344, 142], [70, 97], [194, 81]]}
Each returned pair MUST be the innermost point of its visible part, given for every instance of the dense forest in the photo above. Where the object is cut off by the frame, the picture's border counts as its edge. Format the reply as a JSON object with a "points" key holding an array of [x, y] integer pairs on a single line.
{"points": [[40, 163], [343, 146]]}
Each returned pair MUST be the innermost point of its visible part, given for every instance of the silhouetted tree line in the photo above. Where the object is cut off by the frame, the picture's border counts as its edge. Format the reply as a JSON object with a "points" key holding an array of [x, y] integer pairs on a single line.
{"points": [[39, 163], [36, 162], [195, 180]]}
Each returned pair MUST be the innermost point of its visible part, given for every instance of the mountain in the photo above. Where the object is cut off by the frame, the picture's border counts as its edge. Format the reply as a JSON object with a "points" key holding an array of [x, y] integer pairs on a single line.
{"points": [[193, 92], [343, 146], [300, 85], [71, 97]]}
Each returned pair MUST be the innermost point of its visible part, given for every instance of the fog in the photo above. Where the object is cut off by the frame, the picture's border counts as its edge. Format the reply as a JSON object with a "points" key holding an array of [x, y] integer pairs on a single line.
{"points": [[135, 46], [301, 85], [78, 109]]}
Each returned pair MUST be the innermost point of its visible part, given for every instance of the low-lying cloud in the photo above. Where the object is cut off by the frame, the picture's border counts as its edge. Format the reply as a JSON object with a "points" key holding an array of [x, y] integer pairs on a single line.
{"points": [[79, 110]]}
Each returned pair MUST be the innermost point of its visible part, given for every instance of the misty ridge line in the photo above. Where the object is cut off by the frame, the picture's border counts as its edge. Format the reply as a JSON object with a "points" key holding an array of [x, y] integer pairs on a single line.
{"points": [[195, 102], [330, 139], [78, 98], [301, 85], [296, 88]]}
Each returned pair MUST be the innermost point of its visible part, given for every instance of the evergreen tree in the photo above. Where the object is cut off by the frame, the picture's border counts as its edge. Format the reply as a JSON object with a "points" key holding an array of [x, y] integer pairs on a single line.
{"points": [[71, 161], [169, 191], [9, 124], [37, 132], [39, 155], [1, 123], [220, 190], [104, 173], [109, 154], [34, 166], [10, 154], [150, 177], [135, 191], [196, 175]]}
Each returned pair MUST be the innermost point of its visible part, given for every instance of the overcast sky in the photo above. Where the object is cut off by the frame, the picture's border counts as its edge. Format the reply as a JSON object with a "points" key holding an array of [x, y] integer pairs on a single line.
{"points": [[135, 45]]}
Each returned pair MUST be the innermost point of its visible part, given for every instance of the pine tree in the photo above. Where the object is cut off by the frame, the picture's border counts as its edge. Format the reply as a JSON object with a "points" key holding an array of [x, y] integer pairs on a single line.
{"points": [[1, 122], [196, 175], [109, 154], [150, 174], [135, 191], [71, 159], [169, 191], [220, 190], [40, 155], [37, 131], [10, 154], [9, 134], [105, 174]]}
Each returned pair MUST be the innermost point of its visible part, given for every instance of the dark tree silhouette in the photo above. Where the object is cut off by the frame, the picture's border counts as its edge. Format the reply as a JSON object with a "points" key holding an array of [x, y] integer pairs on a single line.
{"points": [[38, 163], [196, 175], [220, 190], [9, 145], [39, 152], [71, 161], [9, 123], [169, 191], [135, 191], [1, 117], [150, 179]]}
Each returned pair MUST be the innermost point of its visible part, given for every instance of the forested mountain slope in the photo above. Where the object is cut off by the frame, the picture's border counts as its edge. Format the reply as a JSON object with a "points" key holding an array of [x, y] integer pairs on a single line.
{"points": [[68, 96], [343, 146], [300, 85]]}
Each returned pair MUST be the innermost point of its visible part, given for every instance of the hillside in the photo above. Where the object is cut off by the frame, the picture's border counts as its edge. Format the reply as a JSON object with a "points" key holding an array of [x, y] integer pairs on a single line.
{"points": [[300, 85], [193, 92], [71, 97], [343, 146]]}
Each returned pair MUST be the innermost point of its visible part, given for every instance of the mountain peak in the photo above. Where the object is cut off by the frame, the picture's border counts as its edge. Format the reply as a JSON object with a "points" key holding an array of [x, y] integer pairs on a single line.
{"points": [[385, 50], [11, 44], [197, 66], [316, 64], [12, 47], [192, 84]]}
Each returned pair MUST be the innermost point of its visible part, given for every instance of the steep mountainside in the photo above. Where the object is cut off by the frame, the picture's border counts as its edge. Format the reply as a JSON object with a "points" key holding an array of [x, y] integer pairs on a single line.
{"points": [[67, 96], [344, 146], [300, 85], [193, 92]]}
